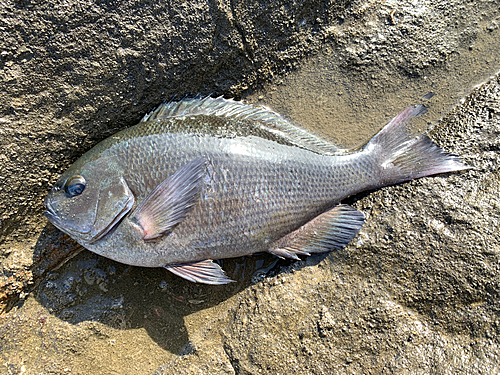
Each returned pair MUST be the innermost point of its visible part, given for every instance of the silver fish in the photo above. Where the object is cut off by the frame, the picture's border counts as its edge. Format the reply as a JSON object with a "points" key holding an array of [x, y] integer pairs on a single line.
{"points": [[205, 179]]}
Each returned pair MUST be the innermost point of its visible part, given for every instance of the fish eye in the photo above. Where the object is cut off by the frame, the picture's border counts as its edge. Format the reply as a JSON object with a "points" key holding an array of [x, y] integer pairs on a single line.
{"points": [[75, 185]]}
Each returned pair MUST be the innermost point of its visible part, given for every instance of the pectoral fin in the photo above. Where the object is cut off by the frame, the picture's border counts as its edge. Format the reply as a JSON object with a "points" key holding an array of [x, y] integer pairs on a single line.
{"points": [[205, 272], [171, 201], [329, 231]]}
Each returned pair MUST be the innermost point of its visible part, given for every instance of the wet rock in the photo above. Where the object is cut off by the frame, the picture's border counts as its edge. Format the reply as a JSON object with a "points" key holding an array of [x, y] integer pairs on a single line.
{"points": [[211, 359], [84, 71], [417, 291]]}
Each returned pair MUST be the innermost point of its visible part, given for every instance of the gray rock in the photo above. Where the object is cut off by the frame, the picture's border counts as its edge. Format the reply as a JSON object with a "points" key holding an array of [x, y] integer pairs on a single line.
{"points": [[72, 74], [417, 292]]}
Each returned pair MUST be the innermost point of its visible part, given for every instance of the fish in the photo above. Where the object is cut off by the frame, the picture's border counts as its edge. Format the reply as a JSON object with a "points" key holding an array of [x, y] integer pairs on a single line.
{"points": [[203, 179]]}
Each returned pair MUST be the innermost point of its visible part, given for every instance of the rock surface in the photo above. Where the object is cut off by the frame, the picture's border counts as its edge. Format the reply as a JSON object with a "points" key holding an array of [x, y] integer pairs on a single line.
{"points": [[416, 292], [72, 74]]}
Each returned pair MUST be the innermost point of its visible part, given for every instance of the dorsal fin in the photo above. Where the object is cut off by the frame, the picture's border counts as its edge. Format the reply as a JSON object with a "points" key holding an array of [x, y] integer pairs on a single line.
{"points": [[264, 118]]}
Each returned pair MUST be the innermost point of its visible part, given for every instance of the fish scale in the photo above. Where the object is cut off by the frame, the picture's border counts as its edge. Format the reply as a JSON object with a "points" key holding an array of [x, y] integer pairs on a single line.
{"points": [[235, 192], [205, 179]]}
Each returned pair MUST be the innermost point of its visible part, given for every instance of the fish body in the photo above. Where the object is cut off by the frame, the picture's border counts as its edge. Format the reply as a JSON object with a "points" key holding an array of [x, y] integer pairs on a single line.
{"points": [[205, 179]]}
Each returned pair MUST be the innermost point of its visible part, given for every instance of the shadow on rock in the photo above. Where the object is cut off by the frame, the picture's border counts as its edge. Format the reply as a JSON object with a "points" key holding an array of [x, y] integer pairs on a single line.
{"points": [[78, 286]]}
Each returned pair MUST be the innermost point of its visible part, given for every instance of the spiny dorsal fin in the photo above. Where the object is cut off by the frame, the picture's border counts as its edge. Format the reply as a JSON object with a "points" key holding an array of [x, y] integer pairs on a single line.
{"points": [[265, 118]]}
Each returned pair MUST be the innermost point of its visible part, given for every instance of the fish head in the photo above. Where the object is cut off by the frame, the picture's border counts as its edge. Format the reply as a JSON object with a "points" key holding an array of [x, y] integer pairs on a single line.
{"points": [[89, 200]]}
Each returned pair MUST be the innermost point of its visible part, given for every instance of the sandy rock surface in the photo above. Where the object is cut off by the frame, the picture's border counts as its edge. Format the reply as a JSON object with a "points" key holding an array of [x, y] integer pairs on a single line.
{"points": [[417, 291]]}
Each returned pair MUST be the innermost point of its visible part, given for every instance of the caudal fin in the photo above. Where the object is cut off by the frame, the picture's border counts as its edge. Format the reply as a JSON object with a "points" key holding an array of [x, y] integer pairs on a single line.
{"points": [[403, 158]]}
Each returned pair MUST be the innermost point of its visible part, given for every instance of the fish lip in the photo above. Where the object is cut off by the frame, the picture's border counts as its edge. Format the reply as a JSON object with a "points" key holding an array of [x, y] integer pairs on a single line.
{"points": [[46, 202], [50, 213], [54, 220]]}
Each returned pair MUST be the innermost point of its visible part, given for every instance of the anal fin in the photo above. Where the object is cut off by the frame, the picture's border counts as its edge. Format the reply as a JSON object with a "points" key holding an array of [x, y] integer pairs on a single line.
{"points": [[327, 232], [205, 272]]}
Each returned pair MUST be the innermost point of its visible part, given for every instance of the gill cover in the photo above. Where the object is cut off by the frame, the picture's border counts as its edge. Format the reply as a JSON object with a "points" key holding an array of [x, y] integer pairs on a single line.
{"points": [[115, 201], [102, 199]]}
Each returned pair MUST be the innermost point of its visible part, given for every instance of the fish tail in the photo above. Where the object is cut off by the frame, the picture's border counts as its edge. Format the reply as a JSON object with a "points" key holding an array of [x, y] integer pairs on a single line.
{"points": [[403, 158]]}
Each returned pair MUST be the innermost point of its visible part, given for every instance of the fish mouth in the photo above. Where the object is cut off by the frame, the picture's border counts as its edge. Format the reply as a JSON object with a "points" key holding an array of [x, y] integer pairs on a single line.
{"points": [[50, 213], [53, 218]]}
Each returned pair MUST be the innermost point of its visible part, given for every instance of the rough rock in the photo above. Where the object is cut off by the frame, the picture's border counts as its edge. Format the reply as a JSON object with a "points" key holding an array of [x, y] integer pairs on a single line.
{"points": [[416, 292], [74, 73]]}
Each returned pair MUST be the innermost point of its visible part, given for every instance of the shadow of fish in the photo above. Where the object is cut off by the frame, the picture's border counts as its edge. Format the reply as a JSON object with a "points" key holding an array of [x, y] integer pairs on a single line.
{"points": [[204, 179]]}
